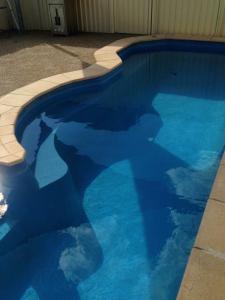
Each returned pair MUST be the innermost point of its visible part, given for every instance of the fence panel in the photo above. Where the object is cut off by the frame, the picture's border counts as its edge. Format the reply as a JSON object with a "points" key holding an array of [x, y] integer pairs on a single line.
{"points": [[197, 17], [186, 17], [132, 16], [220, 28], [95, 15], [35, 14]]}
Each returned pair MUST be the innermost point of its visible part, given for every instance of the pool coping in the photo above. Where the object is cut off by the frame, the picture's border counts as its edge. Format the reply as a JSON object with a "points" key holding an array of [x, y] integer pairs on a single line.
{"points": [[204, 277]]}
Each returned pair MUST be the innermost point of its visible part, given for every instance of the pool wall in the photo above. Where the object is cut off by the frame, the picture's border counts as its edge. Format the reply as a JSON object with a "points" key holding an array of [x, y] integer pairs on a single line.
{"points": [[204, 277]]}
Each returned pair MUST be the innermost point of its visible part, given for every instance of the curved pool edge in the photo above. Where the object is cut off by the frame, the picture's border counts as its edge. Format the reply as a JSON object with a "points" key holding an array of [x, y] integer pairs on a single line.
{"points": [[204, 275], [13, 103]]}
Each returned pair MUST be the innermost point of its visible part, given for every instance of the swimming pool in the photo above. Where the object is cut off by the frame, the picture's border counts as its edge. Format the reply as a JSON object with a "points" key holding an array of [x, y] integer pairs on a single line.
{"points": [[116, 178]]}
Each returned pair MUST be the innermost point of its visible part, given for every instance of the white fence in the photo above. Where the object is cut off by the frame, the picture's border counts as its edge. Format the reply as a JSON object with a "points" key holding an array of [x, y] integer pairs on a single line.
{"points": [[205, 17]]}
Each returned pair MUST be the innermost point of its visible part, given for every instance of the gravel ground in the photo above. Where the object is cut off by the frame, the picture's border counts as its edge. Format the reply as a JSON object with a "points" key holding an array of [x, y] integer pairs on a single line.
{"points": [[25, 58]]}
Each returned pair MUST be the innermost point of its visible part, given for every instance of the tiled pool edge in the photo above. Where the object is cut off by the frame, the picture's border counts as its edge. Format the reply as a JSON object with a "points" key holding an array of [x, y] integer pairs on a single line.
{"points": [[204, 277]]}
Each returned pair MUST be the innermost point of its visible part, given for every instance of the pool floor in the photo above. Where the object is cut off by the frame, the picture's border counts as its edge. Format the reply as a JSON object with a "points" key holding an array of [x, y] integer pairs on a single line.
{"points": [[116, 182]]}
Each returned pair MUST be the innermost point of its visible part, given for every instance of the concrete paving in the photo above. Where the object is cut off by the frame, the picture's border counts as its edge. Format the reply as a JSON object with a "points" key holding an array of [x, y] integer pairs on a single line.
{"points": [[25, 58]]}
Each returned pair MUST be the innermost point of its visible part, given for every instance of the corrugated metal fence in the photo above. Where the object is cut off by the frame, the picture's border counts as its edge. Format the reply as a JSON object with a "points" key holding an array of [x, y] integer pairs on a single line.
{"points": [[186, 16], [95, 15], [35, 14], [205, 17]]}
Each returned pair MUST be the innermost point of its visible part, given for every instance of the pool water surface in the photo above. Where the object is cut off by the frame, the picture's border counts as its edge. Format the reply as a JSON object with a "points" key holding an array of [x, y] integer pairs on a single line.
{"points": [[116, 179]]}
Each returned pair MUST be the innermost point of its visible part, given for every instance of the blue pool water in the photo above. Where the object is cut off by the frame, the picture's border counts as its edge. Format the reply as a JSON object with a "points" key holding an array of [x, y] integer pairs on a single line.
{"points": [[116, 178]]}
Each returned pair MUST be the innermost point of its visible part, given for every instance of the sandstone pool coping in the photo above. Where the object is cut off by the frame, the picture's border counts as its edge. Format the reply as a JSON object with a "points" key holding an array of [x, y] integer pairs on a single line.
{"points": [[204, 276]]}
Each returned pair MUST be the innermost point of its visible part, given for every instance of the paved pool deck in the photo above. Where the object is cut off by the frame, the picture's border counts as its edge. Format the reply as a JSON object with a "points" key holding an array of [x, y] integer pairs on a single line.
{"points": [[28, 57]]}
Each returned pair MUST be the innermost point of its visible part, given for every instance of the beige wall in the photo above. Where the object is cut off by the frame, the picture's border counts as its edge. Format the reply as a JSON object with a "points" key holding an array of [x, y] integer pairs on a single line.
{"points": [[132, 16], [186, 16], [35, 14], [94, 15], [206, 17], [220, 28], [4, 16]]}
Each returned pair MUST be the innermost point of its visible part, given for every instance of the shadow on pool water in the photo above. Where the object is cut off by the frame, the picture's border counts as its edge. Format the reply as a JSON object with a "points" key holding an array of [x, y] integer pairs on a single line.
{"points": [[111, 196]]}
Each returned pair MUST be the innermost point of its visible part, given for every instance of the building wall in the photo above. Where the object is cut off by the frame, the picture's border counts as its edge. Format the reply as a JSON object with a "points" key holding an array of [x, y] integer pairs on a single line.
{"points": [[205, 17]]}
